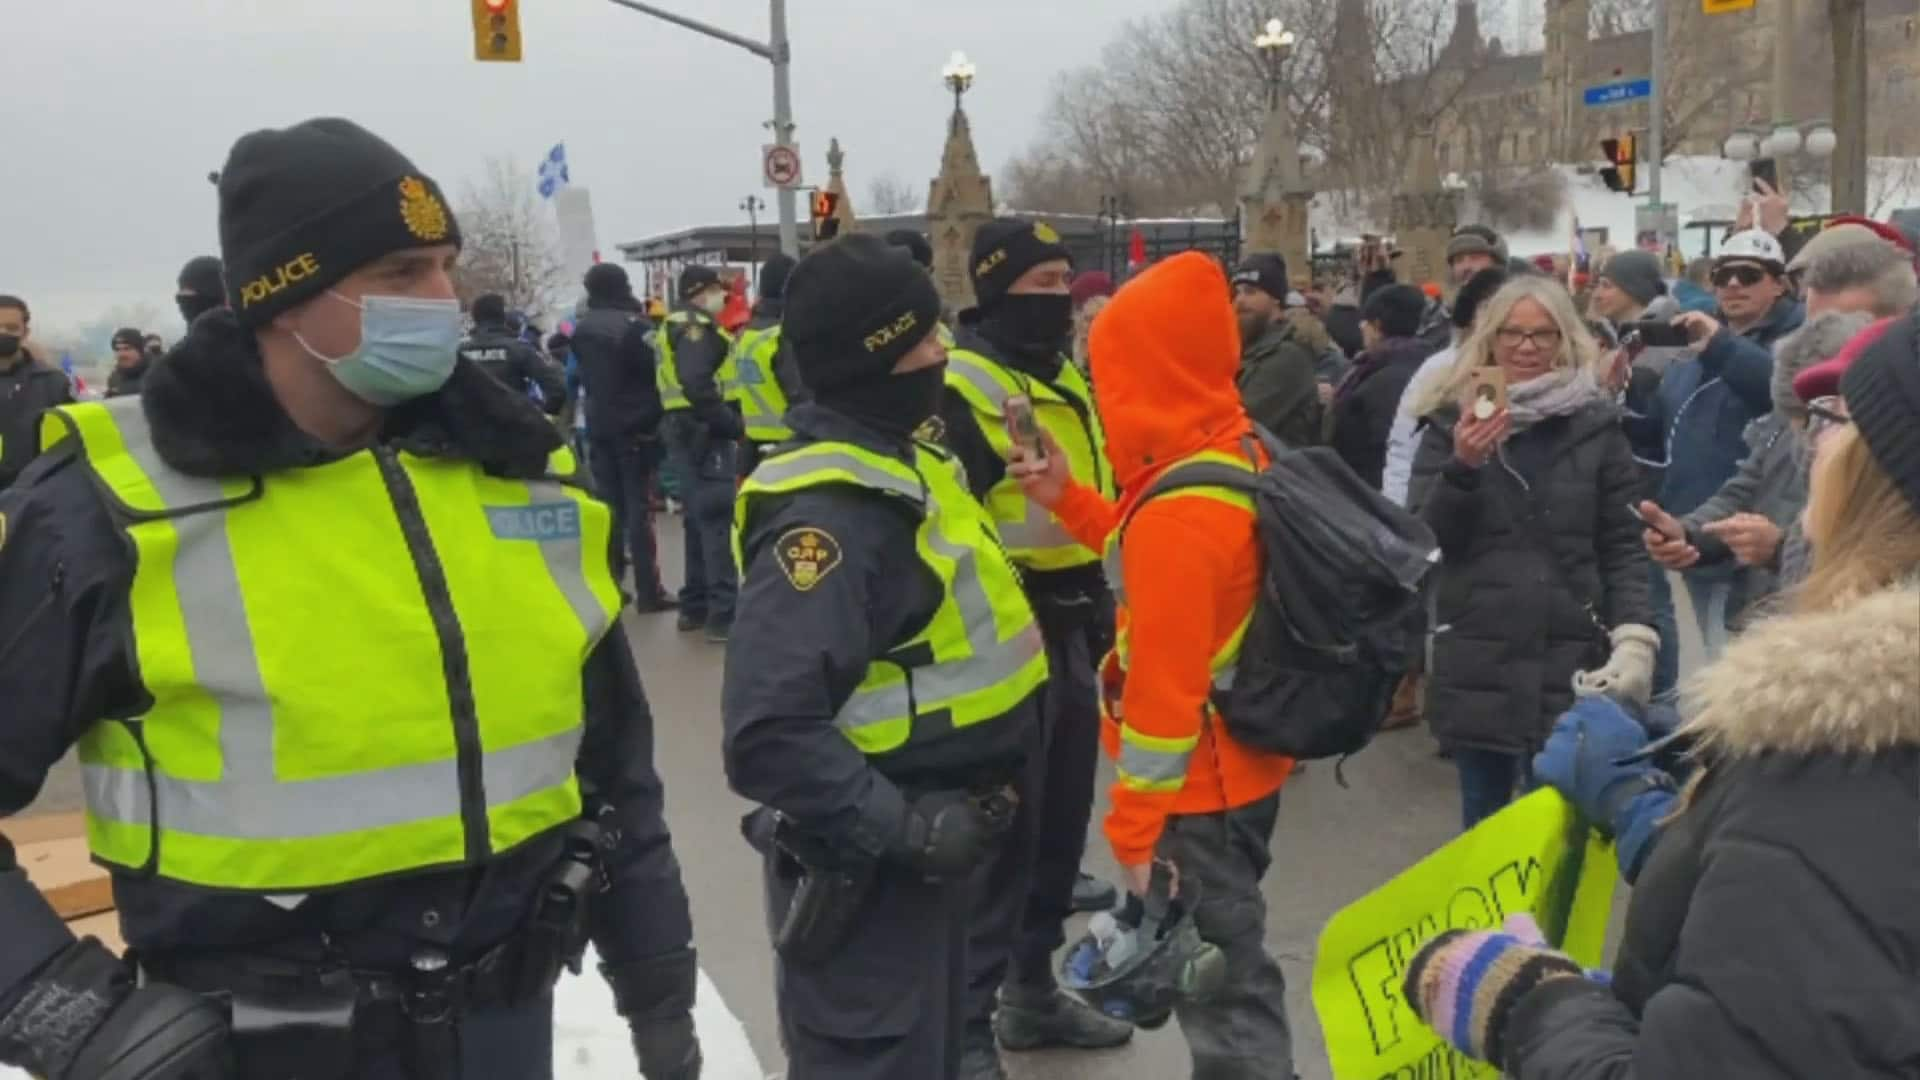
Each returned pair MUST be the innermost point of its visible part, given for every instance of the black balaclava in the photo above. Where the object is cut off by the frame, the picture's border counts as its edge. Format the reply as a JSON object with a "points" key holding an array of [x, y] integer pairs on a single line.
{"points": [[855, 307], [1031, 329]]}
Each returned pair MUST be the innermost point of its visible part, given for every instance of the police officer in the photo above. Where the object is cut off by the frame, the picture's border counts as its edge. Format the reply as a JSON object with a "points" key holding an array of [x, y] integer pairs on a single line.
{"points": [[764, 383], [500, 352], [703, 431], [880, 687], [612, 346], [1013, 344], [200, 287], [28, 384], [323, 614]]}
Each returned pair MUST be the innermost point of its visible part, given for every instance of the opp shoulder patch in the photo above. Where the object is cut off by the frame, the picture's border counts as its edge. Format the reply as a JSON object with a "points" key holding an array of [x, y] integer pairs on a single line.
{"points": [[806, 555]]}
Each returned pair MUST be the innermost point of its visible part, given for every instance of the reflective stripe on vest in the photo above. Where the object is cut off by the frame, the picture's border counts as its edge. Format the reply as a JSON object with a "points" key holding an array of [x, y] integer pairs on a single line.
{"points": [[979, 654], [763, 404], [666, 369], [1155, 763], [1034, 537], [304, 730]]}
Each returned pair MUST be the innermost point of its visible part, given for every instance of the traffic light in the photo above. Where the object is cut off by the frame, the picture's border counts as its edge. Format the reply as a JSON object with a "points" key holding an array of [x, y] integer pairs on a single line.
{"points": [[826, 222], [1622, 153], [496, 30]]}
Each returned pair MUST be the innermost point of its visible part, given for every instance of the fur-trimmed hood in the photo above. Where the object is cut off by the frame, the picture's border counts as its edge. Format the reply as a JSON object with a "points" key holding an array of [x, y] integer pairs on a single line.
{"points": [[1838, 682], [213, 413]]}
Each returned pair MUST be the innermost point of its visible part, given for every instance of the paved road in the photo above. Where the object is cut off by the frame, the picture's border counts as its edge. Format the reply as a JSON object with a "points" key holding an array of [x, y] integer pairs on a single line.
{"points": [[1333, 845]]}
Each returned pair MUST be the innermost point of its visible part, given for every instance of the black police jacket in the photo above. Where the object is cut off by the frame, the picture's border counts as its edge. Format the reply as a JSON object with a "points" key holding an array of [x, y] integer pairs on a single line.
{"points": [[811, 648], [699, 351], [502, 354], [26, 390], [66, 663], [617, 369]]}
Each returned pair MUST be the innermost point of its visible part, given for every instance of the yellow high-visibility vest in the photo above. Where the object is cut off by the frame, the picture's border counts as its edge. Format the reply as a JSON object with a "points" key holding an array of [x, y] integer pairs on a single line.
{"points": [[666, 370], [1034, 537], [1153, 762], [754, 387], [360, 669], [980, 654]]}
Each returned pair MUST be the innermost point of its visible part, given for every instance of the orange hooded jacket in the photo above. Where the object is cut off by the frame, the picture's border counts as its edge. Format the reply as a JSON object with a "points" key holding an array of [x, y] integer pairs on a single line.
{"points": [[1165, 352]]}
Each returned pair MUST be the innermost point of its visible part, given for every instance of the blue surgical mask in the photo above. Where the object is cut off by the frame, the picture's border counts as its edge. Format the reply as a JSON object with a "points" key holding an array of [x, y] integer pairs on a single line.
{"points": [[407, 348]]}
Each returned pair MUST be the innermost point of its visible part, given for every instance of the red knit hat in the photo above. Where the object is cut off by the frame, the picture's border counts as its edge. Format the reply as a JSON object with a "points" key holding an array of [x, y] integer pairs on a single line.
{"points": [[1089, 285]]}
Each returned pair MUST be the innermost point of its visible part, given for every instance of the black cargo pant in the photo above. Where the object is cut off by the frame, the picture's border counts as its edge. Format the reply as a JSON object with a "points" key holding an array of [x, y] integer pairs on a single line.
{"points": [[1243, 1033], [888, 1005], [1023, 897], [623, 473], [709, 476], [509, 1043]]}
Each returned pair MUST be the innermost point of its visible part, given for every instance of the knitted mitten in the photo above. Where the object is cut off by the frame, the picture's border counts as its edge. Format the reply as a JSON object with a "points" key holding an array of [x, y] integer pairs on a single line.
{"points": [[1464, 983]]}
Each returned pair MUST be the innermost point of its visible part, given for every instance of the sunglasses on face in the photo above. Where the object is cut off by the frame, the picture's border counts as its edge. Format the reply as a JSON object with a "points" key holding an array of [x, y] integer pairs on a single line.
{"points": [[1745, 275]]}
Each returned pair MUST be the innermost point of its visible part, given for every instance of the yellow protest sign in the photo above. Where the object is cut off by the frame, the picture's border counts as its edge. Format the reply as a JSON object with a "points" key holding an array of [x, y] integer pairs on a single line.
{"points": [[1534, 856], [1721, 7]]}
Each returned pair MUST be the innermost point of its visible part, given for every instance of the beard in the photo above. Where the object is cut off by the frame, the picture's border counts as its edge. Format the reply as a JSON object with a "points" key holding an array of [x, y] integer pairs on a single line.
{"points": [[1252, 325]]}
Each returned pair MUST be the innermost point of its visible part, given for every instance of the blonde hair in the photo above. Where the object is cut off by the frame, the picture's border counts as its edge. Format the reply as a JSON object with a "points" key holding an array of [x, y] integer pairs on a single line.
{"points": [[1864, 532], [1578, 349]]}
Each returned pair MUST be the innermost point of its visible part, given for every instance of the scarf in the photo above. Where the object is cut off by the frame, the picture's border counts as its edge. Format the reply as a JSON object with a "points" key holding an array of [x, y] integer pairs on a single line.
{"points": [[1557, 393]]}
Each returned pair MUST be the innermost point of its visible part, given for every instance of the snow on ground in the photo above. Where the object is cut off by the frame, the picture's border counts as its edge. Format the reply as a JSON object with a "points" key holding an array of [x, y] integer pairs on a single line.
{"points": [[590, 1039]]}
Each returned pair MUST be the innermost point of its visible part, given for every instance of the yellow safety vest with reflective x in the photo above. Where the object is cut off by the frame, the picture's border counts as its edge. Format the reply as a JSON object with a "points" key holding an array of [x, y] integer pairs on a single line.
{"points": [[754, 387], [341, 688], [1034, 537], [666, 371], [979, 654], [1155, 763]]}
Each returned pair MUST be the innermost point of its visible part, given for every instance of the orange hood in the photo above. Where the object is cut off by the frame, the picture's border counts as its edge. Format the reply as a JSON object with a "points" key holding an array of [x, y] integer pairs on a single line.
{"points": [[1165, 353]]}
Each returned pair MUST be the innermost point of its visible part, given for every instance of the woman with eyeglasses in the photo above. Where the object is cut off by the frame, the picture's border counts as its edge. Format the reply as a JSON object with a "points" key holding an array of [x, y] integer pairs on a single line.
{"points": [[1542, 575], [1775, 930]]}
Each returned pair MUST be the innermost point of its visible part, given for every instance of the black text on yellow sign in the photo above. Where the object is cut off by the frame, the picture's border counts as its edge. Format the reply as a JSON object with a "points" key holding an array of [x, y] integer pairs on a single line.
{"points": [[1721, 7], [496, 30]]}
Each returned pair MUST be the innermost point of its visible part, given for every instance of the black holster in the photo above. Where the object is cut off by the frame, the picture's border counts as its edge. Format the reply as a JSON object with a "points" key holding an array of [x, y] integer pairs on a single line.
{"points": [[555, 936], [833, 889], [294, 1028]]}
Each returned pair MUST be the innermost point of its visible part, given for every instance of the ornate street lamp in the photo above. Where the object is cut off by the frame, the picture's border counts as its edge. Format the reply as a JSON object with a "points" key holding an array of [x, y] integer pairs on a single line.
{"points": [[1275, 42], [958, 75]]}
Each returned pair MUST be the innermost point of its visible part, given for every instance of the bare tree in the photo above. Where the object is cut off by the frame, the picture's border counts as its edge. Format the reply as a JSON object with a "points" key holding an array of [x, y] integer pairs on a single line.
{"points": [[510, 244], [888, 194]]}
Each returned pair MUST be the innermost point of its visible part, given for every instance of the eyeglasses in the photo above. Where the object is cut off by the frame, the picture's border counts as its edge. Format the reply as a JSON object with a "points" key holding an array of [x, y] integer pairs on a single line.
{"points": [[1825, 414], [1512, 337], [1745, 275]]}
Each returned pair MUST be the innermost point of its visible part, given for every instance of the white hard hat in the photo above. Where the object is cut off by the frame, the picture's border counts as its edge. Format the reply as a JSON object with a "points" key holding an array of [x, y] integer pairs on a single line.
{"points": [[1752, 245]]}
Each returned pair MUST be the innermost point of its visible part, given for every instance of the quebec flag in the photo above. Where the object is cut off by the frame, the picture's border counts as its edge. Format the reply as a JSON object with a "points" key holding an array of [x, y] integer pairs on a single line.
{"points": [[553, 171]]}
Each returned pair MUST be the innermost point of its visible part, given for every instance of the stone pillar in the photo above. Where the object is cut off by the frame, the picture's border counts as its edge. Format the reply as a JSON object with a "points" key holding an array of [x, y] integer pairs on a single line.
{"points": [[958, 203], [837, 185], [1275, 200], [1424, 214]]}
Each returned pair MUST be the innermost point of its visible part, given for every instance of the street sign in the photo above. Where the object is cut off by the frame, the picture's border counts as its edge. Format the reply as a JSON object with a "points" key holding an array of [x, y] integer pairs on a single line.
{"points": [[1618, 92], [1722, 7], [780, 166]]}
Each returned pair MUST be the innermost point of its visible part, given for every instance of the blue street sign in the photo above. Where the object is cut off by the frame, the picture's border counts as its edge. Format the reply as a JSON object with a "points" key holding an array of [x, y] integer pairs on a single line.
{"points": [[1615, 93]]}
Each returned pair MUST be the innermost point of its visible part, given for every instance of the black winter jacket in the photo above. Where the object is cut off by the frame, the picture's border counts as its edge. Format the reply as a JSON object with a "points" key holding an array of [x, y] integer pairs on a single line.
{"points": [[1278, 387], [27, 390], [617, 369], [124, 381], [1513, 619], [1368, 400], [1775, 931], [501, 354]]}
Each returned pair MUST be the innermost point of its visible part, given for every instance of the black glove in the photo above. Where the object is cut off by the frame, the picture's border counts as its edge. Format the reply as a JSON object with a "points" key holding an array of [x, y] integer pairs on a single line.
{"points": [[655, 996], [945, 836], [82, 1019]]}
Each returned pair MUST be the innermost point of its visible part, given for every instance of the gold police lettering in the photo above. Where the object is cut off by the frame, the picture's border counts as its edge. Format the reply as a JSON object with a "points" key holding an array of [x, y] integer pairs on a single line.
{"points": [[988, 263], [884, 336], [299, 268]]}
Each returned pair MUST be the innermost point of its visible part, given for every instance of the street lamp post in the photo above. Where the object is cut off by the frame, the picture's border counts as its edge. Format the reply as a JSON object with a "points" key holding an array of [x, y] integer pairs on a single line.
{"points": [[958, 75], [1111, 209], [753, 204], [1275, 43]]}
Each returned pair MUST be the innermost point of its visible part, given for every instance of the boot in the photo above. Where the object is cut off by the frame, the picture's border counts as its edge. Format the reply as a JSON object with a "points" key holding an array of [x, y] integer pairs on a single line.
{"points": [[690, 624], [1408, 696], [1039, 1019], [979, 1057], [1092, 894]]}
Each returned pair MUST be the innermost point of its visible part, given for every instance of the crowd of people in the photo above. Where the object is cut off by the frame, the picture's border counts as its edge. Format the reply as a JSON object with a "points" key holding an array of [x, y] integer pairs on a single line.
{"points": [[951, 558]]}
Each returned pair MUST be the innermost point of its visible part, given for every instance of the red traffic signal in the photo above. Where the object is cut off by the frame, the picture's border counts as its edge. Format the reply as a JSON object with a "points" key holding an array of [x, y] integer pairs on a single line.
{"points": [[496, 30]]}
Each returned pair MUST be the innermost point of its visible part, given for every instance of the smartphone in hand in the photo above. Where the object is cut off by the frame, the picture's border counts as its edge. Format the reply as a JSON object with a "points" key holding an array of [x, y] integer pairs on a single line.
{"points": [[1764, 171], [1024, 428], [1651, 523], [1487, 394], [1654, 334]]}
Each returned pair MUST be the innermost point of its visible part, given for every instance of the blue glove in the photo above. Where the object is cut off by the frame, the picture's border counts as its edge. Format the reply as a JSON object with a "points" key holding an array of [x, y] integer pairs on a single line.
{"points": [[1582, 761]]}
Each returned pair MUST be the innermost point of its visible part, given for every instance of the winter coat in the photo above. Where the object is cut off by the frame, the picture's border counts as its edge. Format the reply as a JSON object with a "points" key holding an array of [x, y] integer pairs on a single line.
{"points": [[1330, 363], [1774, 932], [1513, 619], [1696, 422], [1343, 325], [1278, 386], [1436, 325], [126, 381], [1369, 399], [1772, 482], [26, 391], [1403, 439]]}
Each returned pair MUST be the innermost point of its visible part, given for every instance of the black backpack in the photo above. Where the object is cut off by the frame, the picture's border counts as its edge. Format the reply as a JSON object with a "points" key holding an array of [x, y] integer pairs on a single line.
{"points": [[1337, 623]]}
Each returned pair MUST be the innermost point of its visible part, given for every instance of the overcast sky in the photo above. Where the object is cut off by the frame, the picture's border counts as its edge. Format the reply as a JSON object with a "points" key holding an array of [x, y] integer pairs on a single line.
{"points": [[117, 109]]}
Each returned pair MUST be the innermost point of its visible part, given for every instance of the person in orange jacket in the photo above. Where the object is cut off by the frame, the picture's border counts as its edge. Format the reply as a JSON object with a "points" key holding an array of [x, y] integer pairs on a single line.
{"points": [[1164, 355]]}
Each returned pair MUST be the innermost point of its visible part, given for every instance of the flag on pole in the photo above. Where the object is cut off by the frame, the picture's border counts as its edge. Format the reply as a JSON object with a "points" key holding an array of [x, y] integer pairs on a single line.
{"points": [[66, 367], [553, 171], [1576, 254], [1136, 250]]}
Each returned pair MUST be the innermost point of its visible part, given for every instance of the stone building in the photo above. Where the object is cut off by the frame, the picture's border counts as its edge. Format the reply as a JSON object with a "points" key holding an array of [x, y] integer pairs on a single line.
{"points": [[1497, 108]]}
